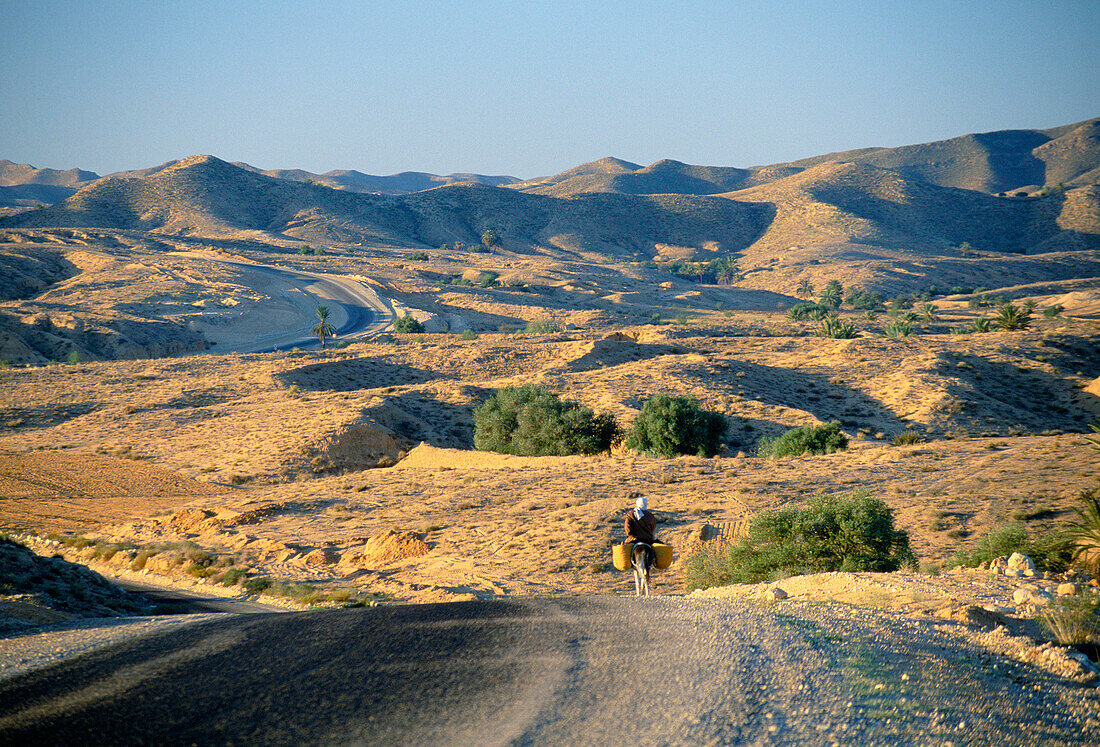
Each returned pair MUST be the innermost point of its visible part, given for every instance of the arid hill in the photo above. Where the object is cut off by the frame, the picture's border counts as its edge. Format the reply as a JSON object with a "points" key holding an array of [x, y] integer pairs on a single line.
{"points": [[204, 196], [1003, 161]]}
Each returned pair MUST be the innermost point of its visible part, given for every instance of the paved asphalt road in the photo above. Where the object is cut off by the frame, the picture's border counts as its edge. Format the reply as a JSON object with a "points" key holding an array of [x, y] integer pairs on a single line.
{"points": [[188, 601], [600, 670], [360, 307]]}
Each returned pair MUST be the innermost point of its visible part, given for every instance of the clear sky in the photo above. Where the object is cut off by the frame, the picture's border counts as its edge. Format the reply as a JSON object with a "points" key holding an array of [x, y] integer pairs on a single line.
{"points": [[528, 88]]}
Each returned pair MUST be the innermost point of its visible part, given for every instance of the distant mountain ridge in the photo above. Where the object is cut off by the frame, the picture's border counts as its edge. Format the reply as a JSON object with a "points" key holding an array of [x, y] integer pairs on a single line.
{"points": [[925, 198], [203, 195]]}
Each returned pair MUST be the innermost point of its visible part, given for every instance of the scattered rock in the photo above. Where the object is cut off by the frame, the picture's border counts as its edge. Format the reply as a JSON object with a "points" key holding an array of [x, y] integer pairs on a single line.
{"points": [[1067, 590], [1021, 596], [1020, 562], [775, 593], [998, 565]]}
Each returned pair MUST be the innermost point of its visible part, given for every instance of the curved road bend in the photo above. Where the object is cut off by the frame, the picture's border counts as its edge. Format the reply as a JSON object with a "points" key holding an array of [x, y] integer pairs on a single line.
{"points": [[601, 670], [366, 312]]}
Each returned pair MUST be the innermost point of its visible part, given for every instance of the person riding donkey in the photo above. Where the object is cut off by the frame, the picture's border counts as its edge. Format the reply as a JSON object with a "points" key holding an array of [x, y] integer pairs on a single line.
{"points": [[640, 523]]}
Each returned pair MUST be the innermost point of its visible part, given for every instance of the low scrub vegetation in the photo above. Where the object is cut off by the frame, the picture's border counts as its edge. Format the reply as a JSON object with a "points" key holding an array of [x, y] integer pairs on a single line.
{"points": [[1050, 552], [1084, 530], [532, 421], [807, 439], [407, 325], [833, 327], [801, 312], [1073, 621], [844, 532], [1010, 317], [669, 425], [542, 327]]}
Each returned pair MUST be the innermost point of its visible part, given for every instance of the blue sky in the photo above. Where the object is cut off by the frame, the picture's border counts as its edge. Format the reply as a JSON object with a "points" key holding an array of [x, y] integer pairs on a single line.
{"points": [[527, 88]]}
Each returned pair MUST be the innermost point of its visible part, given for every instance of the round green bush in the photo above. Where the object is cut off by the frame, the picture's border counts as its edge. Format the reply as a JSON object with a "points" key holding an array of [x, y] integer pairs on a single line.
{"points": [[532, 421], [407, 325], [851, 532], [812, 439], [669, 425]]}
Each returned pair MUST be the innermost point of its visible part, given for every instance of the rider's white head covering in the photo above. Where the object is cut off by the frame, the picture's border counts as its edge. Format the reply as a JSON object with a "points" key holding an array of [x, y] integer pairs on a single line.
{"points": [[640, 506]]}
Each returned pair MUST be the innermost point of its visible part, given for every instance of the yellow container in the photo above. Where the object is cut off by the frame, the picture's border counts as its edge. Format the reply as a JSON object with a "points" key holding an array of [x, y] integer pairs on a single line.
{"points": [[620, 555], [664, 554]]}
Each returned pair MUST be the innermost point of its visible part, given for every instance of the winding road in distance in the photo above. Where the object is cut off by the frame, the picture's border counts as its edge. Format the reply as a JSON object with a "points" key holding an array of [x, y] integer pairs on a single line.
{"points": [[359, 311]]}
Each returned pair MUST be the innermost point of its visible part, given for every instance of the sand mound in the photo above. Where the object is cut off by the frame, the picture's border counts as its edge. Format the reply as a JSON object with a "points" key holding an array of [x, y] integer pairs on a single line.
{"points": [[426, 456], [392, 545]]}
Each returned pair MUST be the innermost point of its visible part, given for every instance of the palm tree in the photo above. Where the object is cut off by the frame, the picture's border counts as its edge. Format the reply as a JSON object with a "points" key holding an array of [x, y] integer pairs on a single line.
{"points": [[805, 289], [830, 298], [323, 329], [928, 311]]}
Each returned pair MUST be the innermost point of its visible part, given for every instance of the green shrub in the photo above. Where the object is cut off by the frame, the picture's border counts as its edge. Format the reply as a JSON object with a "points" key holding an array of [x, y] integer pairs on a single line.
{"points": [[907, 438], [407, 325], [981, 324], [531, 421], [1052, 311], [469, 335], [844, 532], [1084, 529], [542, 327], [833, 327], [1073, 621], [811, 439], [488, 279], [669, 425], [1051, 552], [862, 300], [801, 312], [459, 280], [74, 358], [419, 256], [897, 328], [256, 585], [1009, 316]]}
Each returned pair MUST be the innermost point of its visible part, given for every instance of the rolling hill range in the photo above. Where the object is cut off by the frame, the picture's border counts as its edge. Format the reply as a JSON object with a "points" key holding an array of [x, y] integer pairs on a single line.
{"points": [[993, 162], [204, 196]]}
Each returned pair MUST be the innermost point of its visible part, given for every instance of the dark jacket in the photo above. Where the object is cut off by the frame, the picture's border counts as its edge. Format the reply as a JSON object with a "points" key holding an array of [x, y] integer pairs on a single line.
{"points": [[643, 529]]}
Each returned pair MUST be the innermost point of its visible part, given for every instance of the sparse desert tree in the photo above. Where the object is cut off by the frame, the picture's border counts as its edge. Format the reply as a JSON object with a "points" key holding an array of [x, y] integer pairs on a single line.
{"points": [[407, 325], [1010, 316], [530, 420], [832, 296], [805, 289], [489, 239], [726, 270], [671, 425], [323, 329]]}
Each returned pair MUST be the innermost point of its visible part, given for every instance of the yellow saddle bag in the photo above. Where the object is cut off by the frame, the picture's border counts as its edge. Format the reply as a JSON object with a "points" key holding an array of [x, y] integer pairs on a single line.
{"points": [[620, 555]]}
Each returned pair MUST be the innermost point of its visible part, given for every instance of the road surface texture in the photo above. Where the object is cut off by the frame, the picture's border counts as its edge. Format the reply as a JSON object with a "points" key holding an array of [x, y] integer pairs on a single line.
{"points": [[357, 311], [597, 670]]}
